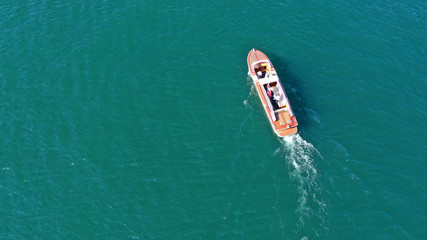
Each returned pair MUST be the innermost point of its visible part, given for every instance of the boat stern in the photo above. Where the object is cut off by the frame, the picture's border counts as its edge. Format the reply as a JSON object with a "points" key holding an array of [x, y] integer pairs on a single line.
{"points": [[287, 132]]}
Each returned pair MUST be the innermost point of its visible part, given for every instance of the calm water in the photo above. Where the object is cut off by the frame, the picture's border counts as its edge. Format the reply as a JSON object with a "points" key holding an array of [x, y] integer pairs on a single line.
{"points": [[136, 120]]}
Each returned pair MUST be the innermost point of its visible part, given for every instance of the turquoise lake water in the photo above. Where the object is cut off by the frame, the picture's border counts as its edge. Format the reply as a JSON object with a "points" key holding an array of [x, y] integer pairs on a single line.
{"points": [[137, 120]]}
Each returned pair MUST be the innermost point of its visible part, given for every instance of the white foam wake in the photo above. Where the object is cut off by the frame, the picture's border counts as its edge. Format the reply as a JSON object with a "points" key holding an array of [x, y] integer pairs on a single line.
{"points": [[252, 93], [300, 157]]}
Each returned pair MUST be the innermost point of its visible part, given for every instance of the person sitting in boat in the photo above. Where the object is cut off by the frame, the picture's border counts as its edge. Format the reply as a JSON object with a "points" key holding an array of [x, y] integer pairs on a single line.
{"points": [[263, 72], [259, 70], [269, 90]]}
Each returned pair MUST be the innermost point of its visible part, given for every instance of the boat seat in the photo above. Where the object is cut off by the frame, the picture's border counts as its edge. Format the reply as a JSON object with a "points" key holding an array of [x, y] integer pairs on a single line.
{"points": [[281, 103], [275, 90]]}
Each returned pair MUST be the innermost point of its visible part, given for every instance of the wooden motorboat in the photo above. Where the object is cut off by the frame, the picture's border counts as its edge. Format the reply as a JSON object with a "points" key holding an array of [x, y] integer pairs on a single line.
{"points": [[272, 94]]}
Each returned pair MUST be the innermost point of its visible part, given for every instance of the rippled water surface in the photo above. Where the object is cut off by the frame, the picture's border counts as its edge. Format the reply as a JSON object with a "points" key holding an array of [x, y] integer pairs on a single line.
{"points": [[136, 120]]}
